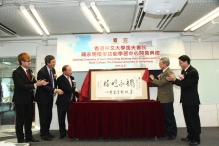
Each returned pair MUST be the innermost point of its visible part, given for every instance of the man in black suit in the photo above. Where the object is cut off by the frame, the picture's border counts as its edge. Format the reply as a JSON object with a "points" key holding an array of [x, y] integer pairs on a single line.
{"points": [[67, 84], [189, 98], [24, 84], [44, 96]]}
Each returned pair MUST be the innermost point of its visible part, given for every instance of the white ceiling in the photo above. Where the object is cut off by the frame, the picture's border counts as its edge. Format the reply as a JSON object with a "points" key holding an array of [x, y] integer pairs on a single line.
{"points": [[66, 17]]}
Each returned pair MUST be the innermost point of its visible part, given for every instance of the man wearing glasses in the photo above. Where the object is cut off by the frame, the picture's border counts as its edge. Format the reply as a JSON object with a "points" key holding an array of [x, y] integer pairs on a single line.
{"points": [[24, 84]]}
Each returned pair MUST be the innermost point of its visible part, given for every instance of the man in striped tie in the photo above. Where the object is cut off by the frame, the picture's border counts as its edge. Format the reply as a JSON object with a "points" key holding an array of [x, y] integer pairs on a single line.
{"points": [[44, 96]]}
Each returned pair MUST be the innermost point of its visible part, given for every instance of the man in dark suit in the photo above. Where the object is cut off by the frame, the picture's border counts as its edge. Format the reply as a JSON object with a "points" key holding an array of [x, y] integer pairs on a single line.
{"points": [[166, 98], [189, 98], [44, 96], [67, 84], [24, 84]]}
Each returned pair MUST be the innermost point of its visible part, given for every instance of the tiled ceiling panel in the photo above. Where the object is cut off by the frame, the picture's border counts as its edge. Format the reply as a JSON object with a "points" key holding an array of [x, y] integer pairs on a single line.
{"points": [[65, 18], [12, 18], [194, 10], [119, 15]]}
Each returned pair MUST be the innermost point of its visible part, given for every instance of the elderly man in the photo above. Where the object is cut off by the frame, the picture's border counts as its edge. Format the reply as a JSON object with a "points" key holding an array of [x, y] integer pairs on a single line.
{"points": [[166, 98], [66, 83]]}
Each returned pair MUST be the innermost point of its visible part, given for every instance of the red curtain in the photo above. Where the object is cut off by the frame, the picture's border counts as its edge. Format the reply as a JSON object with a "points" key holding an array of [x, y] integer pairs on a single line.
{"points": [[116, 119]]}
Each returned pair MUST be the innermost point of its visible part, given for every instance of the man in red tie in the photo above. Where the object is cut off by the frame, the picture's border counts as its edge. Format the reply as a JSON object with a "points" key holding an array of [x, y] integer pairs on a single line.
{"points": [[67, 84], [24, 84]]}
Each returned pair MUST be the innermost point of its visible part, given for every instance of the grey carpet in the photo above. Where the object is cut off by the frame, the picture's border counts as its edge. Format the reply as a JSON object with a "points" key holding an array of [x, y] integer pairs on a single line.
{"points": [[209, 137]]}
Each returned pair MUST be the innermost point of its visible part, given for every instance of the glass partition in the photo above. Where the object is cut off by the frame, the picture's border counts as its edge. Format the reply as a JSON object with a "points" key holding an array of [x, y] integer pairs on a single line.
{"points": [[7, 107]]}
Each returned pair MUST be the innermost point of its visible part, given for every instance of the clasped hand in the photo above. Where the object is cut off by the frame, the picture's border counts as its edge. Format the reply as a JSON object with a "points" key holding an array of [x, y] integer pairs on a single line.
{"points": [[171, 76], [41, 83]]}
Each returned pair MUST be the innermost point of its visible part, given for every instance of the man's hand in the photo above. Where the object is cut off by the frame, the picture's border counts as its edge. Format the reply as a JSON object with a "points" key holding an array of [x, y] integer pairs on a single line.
{"points": [[152, 77], [59, 91], [171, 76], [39, 83], [44, 83], [78, 90]]}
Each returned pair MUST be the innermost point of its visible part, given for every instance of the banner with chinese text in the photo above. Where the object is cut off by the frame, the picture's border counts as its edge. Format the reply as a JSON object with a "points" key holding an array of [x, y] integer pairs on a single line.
{"points": [[111, 51]]}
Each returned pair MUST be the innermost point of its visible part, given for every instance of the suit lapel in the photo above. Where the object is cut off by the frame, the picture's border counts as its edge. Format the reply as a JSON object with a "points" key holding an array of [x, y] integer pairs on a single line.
{"points": [[47, 76], [46, 72], [66, 81], [164, 73], [187, 71], [23, 73]]}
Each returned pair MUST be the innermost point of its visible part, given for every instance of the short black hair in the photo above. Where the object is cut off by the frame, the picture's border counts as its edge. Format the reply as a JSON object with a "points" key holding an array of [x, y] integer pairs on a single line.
{"points": [[64, 68], [48, 59], [184, 58]]}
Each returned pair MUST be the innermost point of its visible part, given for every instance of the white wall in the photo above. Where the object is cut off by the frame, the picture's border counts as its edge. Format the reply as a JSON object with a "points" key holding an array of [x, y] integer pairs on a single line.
{"points": [[204, 50], [12, 49]]}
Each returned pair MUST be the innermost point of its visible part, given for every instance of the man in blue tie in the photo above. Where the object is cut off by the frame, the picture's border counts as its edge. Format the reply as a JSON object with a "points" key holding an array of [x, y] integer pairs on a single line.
{"points": [[66, 83], [44, 96]]}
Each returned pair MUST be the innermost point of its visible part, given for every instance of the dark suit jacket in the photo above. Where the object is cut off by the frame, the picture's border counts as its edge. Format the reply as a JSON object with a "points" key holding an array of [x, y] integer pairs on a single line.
{"points": [[189, 87], [45, 93], [65, 86], [23, 88]]}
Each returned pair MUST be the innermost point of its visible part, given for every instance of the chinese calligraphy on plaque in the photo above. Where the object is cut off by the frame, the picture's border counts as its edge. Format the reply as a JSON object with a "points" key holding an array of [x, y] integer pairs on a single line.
{"points": [[119, 85]]}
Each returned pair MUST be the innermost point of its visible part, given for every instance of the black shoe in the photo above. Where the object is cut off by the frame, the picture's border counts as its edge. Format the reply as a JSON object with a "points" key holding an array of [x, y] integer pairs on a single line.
{"points": [[32, 140], [165, 135], [186, 139], [50, 135], [21, 141], [46, 138], [194, 143], [62, 136], [171, 137]]}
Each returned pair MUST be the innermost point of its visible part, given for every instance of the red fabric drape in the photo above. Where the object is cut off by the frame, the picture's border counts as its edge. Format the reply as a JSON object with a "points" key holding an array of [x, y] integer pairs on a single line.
{"points": [[146, 77], [116, 119], [84, 96]]}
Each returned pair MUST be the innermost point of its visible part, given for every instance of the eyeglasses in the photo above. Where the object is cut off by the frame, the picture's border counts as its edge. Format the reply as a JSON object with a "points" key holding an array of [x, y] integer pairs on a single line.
{"points": [[27, 60]]}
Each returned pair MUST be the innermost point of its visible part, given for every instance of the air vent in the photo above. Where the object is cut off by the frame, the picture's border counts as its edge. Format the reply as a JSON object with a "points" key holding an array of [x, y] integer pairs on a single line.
{"points": [[164, 21], [140, 16], [6, 30]]}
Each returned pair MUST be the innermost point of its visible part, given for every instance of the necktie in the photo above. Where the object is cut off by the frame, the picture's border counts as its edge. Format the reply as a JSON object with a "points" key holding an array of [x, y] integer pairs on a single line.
{"points": [[28, 75], [69, 81], [51, 78], [71, 86]]}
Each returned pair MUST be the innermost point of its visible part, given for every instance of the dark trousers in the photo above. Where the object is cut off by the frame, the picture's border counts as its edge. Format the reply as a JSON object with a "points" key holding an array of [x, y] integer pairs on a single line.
{"points": [[169, 119], [62, 111], [191, 115], [45, 115], [24, 116]]}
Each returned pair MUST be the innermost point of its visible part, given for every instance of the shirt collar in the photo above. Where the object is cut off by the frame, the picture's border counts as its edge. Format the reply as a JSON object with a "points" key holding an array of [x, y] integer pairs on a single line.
{"points": [[24, 68], [186, 68], [48, 68], [165, 69], [65, 76]]}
